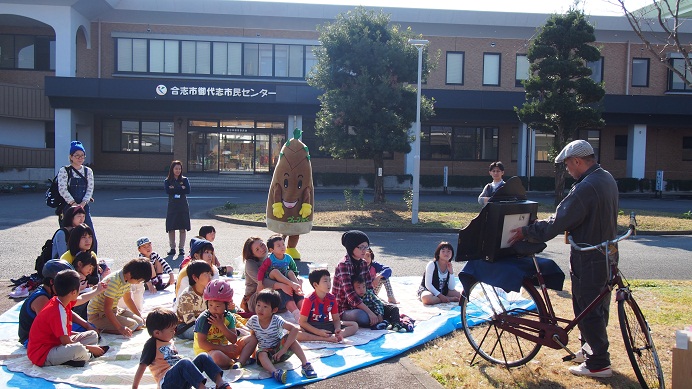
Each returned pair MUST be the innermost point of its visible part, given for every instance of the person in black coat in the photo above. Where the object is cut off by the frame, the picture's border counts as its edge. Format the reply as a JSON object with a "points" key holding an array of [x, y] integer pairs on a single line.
{"points": [[178, 216]]}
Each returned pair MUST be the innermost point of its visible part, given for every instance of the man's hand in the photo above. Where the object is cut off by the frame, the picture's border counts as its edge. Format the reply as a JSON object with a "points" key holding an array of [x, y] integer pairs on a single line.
{"points": [[517, 235]]}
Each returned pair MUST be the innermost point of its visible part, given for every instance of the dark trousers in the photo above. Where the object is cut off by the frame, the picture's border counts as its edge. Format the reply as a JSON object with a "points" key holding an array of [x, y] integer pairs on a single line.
{"points": [[186, 373], [589, 274]]}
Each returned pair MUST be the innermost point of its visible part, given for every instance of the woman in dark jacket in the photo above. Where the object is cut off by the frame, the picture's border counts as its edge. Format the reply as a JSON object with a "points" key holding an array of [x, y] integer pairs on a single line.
{"points": [[178, 216]]}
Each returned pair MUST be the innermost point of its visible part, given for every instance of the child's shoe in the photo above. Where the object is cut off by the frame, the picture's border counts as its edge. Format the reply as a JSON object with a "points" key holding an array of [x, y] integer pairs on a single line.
{"points": [[308, 371], [380, 326], [280, 375], [75, 363], [239, 365]]}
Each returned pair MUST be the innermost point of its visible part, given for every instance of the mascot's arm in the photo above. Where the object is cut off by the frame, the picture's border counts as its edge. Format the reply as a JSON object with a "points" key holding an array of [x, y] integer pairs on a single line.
{"points": [[306, 208], [278, 210], [277, 207]]}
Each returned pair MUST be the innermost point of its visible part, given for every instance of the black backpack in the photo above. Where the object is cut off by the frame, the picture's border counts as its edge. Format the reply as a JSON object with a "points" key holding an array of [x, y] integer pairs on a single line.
{"points": [[53, 198], [47, 252]]}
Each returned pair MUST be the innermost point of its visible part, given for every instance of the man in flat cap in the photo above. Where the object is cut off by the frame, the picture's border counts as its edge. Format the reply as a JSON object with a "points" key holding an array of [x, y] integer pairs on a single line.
{"points": [[589, 214]]}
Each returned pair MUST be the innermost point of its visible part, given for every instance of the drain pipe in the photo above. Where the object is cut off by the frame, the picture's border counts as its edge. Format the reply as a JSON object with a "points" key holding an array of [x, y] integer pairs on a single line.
{"points": [[99, 51], [628, 64]]}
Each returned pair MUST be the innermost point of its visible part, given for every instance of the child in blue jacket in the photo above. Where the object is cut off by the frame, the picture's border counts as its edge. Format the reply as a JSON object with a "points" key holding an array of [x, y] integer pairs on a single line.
{"points": [[380, 276]]}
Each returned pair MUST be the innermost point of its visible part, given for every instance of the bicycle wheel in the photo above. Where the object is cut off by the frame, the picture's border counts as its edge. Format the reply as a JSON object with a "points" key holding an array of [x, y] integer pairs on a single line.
{"points": [[479, 319], [639, 344]]}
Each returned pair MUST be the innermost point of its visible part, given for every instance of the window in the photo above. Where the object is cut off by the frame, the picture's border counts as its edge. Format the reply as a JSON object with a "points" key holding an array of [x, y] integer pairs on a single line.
{"points": [[163, 56], [459, 143], [675, 83], [208, 58], [596, 70], [132, 55], [515, 144], [594, 139], [196, 57], [687, 148], [620, 152], [491, 69], [640, 72], [544, 146], [137, 136], [27, 52], [455, 68], [522, 72]]}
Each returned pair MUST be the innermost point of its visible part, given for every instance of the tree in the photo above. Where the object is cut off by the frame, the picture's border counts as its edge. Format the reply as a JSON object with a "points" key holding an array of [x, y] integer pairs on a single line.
{"points": [[658, 26], [368, 73], [560, 95]]}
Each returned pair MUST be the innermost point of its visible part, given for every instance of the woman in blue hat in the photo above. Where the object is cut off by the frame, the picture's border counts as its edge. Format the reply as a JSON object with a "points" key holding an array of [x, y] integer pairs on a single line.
{"points": [[76, 184]]}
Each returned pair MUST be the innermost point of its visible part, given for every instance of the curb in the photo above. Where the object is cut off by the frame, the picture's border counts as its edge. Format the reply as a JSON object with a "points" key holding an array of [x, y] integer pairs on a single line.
{"points": [[228, 219]]}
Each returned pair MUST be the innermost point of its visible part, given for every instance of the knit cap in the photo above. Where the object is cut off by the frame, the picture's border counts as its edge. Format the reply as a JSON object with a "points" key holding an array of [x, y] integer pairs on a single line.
{"points": [[196, 245], [351, 240], [76, 145]]}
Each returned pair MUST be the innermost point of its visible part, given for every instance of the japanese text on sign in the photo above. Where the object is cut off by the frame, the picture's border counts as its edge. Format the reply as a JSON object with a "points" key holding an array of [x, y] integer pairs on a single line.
{"points": [[162, 90]]}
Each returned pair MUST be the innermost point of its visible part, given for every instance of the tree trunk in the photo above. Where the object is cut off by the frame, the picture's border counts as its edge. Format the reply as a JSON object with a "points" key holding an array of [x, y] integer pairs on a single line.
{"points": [[560, 176], [379, 180]]}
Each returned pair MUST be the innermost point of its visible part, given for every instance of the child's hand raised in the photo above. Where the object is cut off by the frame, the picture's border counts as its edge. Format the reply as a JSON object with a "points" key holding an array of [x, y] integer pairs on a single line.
{"points": [[216, 320], [101, 286]]}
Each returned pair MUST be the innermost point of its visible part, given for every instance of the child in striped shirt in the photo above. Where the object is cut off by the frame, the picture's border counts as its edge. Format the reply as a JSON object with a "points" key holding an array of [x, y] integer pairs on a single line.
{"points": [[160, 266]]}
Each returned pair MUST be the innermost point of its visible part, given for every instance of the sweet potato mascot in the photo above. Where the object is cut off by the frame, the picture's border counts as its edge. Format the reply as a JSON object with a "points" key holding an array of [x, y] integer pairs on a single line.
{"points": [[291, 194]]}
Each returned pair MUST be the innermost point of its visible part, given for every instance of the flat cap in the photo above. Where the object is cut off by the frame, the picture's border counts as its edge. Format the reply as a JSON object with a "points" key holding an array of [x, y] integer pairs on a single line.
{"points": [[577, 148]]}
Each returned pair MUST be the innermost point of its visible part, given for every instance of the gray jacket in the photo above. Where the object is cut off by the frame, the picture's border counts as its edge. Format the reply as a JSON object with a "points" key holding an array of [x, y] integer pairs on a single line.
{"points": [[588, 212]]}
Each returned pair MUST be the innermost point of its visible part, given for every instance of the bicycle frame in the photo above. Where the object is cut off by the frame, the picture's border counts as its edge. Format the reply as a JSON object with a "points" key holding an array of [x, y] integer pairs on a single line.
{"points": [[547, 331]]}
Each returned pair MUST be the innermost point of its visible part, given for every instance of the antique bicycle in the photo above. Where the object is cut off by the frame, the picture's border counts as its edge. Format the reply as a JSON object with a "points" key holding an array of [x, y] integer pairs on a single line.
{"points": [[510, 328]]}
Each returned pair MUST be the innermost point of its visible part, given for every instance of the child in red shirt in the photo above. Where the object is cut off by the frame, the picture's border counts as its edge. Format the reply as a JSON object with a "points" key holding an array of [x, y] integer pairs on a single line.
{"points": [[315, 323], [51, 341]]}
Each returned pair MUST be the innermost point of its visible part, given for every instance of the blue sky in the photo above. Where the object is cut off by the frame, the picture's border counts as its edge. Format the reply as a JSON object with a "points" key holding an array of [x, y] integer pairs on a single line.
{"points": [[591, 7]]}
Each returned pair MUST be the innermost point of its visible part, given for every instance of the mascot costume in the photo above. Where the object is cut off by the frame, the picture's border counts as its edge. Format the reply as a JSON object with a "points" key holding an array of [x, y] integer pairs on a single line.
{"points": [[291, 194]]}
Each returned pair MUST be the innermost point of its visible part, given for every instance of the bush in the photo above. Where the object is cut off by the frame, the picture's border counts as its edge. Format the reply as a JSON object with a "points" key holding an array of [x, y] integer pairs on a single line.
{"points": [[336, 179]]}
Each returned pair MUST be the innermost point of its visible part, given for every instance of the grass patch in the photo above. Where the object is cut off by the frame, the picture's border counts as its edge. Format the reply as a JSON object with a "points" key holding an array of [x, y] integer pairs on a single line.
{"points": [[665, 305], [357, 214]]}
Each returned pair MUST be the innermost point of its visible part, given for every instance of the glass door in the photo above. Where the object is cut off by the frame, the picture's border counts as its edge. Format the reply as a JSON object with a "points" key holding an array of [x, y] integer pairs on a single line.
{"points": [[261, 153], [277, 143], [237, 152], [203, 148]]}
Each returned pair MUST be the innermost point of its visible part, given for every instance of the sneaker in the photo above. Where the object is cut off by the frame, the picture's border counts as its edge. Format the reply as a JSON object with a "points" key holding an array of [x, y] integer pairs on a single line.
{"points": [[171, 252], [308, 371], [181, 252], [237, 366], [582, 370], [579, 357], [380, 326], [20, 292], [75, 363], [280, 375]]}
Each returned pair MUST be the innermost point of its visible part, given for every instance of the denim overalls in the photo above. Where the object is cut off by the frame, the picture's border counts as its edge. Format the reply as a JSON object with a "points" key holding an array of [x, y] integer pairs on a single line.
{"points": [[77, 186]]}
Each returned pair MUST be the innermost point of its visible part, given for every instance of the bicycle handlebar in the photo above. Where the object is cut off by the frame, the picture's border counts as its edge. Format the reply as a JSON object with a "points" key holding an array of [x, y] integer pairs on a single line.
{"points": [[584, 247]]}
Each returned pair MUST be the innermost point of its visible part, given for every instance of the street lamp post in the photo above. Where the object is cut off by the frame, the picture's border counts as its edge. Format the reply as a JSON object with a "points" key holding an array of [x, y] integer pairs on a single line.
{"points": [[419, 43]]}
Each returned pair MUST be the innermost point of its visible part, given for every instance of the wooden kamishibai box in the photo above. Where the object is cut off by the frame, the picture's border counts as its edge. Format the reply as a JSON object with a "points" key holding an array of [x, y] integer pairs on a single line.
{"points": [[485, 237], [682, 361]]}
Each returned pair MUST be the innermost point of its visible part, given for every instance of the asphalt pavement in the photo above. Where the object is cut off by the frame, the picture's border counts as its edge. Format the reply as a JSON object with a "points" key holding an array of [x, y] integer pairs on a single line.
{"points": [[122, 216]]}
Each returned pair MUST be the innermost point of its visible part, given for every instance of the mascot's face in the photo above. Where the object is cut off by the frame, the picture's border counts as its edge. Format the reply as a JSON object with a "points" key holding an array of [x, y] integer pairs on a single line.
{"points": [[294, 174]]}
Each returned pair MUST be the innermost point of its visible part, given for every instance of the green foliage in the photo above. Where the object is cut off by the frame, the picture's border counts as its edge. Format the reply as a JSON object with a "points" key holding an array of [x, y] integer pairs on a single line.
{"points": [[561, 98], [687, 215], [367, 70], [230, 206], [408, 199], [361, 200], [348, 197], [336, 179]]}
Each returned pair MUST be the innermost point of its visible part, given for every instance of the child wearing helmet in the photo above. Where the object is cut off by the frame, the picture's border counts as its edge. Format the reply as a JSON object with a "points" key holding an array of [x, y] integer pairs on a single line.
{"points": [[42, 295], [215, 328]]}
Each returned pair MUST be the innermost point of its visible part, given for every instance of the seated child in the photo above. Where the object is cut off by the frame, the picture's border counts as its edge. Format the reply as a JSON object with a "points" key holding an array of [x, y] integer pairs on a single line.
{"points": [[380, 276], [169, 369], [160, 266], [42, 295], [280, 267], [209, 233], [190, 304], [51, 341], [314, 313], [200, 250], [268, 329], [215, 329], [103, 310], [388, 314]]}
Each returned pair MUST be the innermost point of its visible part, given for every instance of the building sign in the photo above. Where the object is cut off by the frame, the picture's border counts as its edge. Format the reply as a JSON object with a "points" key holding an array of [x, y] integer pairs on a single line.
{"points": [[191, 90]]}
